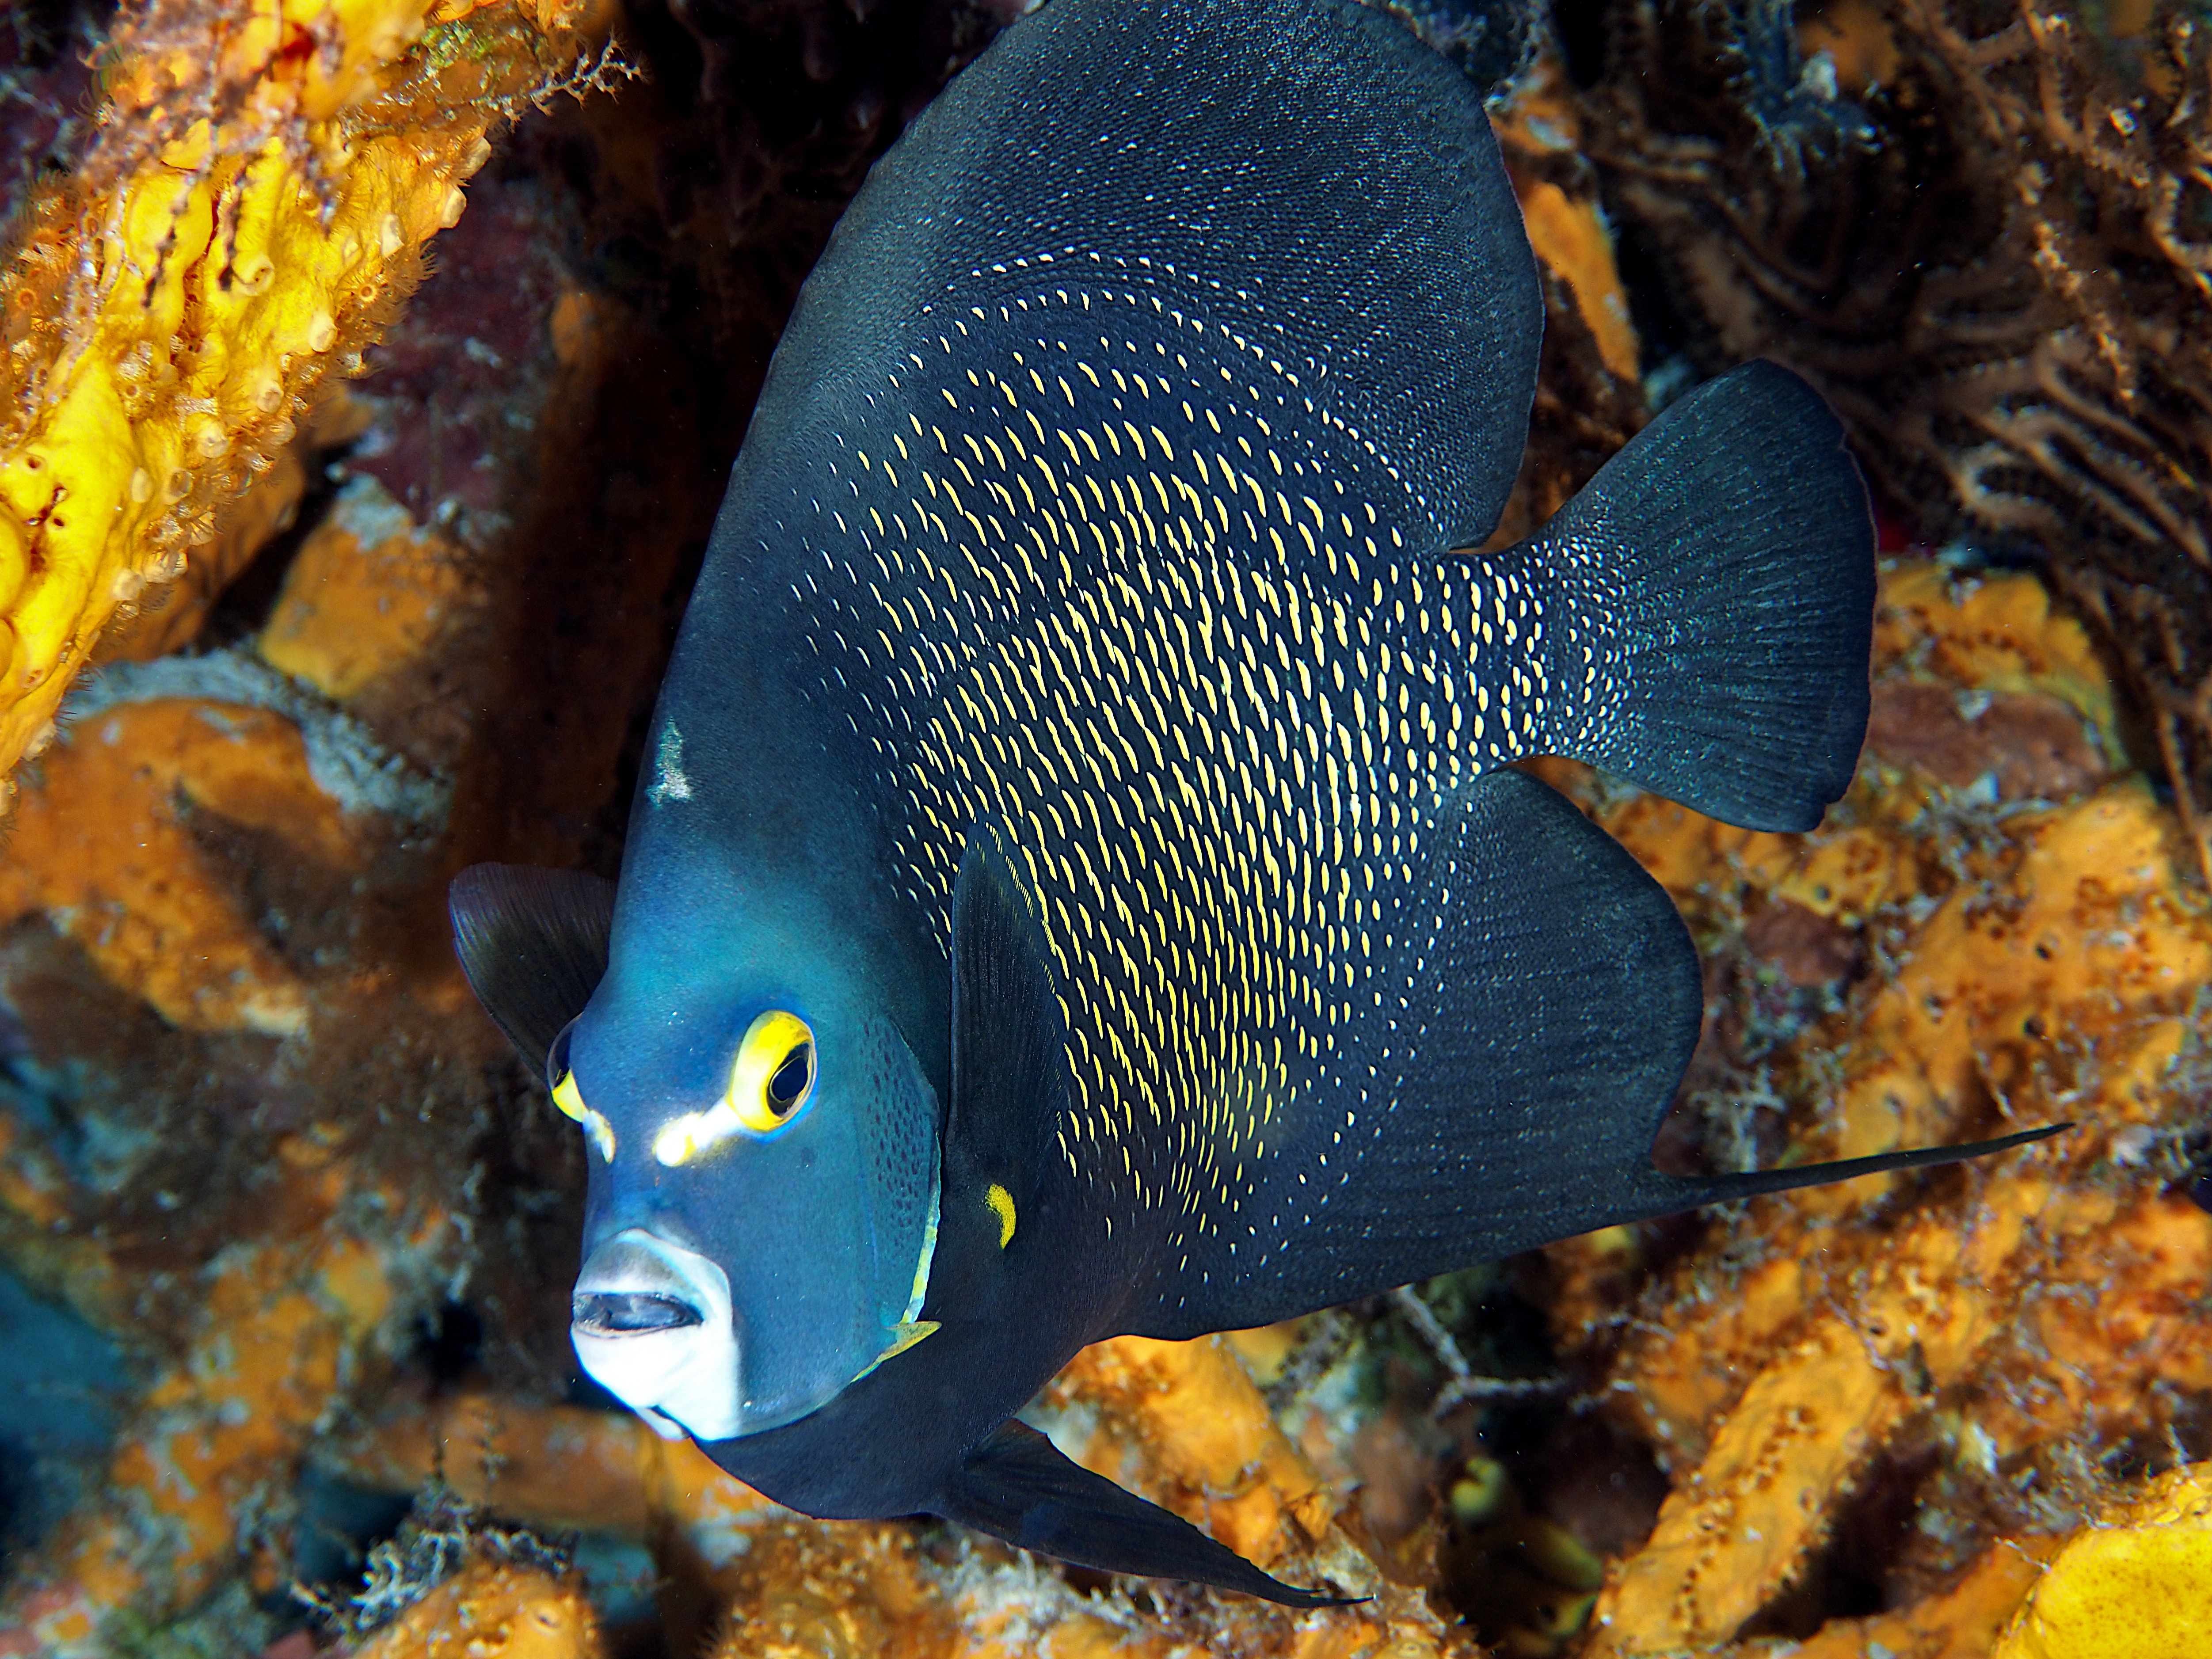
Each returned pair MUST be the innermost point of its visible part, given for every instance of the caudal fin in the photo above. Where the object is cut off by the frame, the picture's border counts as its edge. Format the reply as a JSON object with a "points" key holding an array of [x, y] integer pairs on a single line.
{"points": [[1720, 572]]}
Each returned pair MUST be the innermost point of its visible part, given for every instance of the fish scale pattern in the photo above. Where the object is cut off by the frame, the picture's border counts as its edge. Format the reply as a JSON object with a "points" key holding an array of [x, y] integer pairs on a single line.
{"points": [[1110, 576]]}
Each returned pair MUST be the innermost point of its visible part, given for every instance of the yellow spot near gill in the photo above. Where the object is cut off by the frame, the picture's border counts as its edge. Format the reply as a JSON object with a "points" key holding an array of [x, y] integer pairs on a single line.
{"points": [[569, 1098], [1002, 1205]]}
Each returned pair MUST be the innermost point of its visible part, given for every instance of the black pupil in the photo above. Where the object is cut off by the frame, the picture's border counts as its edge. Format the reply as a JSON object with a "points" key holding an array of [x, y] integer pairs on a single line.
{"points": [[789, 1082]]}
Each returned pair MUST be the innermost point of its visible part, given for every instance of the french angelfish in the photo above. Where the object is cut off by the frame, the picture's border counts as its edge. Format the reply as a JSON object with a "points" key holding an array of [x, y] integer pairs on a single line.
{"points": [[1076, 886]]}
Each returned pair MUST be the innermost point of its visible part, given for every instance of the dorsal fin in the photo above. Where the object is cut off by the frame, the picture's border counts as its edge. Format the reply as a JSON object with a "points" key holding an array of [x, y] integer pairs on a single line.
{"points": [[534, 944], [1334, 216]]}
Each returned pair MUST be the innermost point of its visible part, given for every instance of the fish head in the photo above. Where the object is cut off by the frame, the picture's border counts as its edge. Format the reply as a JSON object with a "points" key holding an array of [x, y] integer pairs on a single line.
{"points": [[762, 1201]]}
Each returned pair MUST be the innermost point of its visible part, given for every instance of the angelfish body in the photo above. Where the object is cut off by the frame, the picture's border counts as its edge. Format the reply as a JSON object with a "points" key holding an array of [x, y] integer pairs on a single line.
{"points": [[1074, 889]]}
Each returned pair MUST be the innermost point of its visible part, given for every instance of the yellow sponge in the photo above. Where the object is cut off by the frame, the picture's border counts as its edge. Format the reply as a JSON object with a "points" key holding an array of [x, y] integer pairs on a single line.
{"points": [[2137, 1585], [256, 203]]}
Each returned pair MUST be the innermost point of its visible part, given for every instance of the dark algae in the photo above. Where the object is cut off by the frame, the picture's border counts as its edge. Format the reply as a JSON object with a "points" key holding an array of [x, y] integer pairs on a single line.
{"points": [[1077, 883]]}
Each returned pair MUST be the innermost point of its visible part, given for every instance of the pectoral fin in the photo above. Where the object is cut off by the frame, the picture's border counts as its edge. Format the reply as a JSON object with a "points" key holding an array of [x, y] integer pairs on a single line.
{"points": [[534, 944], [1017, 1486]]}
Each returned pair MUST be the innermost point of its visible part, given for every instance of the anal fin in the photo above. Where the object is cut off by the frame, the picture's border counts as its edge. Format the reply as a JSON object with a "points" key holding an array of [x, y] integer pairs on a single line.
{"points": [[1016, 1485], [1528, 1052]]}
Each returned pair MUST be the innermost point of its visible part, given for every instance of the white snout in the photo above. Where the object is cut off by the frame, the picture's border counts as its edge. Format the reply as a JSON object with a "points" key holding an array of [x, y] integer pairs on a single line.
{"points": [[652, 1324]]}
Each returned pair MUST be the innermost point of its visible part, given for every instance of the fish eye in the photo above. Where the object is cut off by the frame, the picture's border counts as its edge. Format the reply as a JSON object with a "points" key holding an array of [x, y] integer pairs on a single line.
{"points": [[772, 1077], [774, 1072]]}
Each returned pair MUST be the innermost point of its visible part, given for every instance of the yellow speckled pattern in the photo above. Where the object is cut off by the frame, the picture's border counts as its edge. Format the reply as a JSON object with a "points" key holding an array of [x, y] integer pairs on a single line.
{"points": [[169, 315], [2136, 1584], [1132, 616]]}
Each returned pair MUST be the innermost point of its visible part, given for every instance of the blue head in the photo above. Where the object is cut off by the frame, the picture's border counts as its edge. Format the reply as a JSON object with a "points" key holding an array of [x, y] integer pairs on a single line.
{"points": [[763, 1152]]}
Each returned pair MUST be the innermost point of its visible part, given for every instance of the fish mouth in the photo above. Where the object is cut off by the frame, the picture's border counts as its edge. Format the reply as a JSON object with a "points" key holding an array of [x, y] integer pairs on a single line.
{"points": [[652, 1323], [629, 1313]]}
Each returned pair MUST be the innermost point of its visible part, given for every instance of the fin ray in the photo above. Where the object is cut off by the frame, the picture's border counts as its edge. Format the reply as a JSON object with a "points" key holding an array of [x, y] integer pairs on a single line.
{"points": [[1671, 1195], [1014, 1215]]}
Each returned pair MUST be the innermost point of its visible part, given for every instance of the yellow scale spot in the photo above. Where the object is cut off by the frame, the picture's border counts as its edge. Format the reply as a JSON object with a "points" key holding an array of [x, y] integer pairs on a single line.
{"points": [[1001, 1203]]}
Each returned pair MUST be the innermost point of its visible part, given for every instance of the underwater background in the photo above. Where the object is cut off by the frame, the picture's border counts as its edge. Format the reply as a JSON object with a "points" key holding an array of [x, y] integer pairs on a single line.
{"points": [[372, 372]]}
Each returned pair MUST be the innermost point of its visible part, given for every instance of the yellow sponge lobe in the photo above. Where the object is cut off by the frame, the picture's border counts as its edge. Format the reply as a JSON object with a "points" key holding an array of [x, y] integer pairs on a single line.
{"points": [[256, 205], [2137, 1585]]}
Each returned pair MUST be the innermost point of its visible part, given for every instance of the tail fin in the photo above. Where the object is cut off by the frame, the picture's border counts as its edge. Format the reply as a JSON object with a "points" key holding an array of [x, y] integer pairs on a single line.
{"points": [[1720, 569]]}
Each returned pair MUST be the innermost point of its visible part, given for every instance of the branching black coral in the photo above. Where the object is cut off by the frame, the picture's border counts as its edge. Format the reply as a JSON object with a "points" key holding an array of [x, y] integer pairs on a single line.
{"points": [[2004, 283]]}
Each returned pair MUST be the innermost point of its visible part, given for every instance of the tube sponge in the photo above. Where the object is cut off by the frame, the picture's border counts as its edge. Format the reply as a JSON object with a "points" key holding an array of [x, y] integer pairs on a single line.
{"points": [[258, 200]]}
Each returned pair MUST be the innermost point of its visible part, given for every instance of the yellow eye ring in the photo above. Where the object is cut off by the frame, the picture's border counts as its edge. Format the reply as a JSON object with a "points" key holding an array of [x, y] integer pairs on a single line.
{"points": [[771, 1079], [773, 1074]]}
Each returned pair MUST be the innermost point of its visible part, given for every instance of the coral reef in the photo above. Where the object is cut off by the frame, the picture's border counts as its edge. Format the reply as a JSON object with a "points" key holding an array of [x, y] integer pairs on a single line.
{"points": [[2137, 1582], [1983, 228], [1975, 1350], [1182, 1422], [1590, 400], [47, 52], [492, 1611], [286, 1233]]}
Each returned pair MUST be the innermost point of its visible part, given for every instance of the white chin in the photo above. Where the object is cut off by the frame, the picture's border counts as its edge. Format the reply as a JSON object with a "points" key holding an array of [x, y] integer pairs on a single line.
{"points": [[681, 1379]]}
